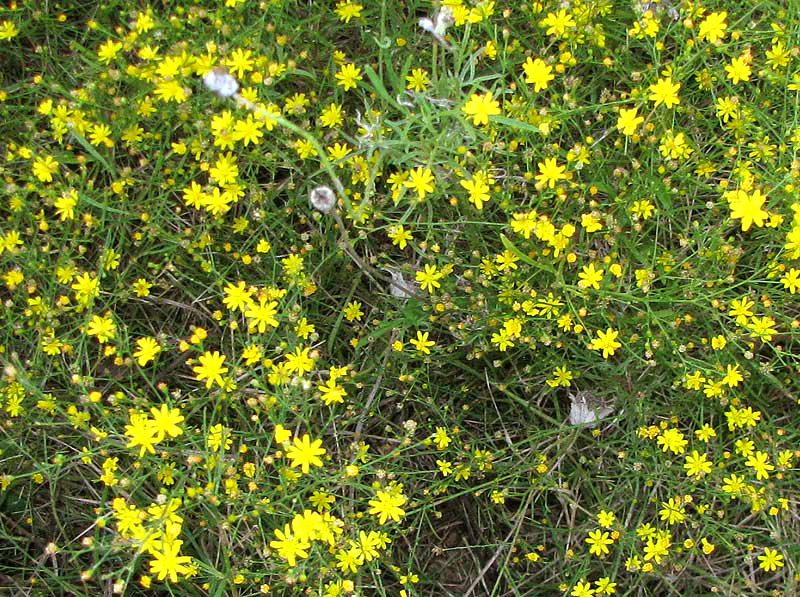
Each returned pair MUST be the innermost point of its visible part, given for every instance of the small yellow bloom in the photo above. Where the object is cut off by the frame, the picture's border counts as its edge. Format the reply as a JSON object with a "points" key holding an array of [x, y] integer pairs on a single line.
{"points": [[481, 107], [421, 342], [628, 121], [348, 76]]}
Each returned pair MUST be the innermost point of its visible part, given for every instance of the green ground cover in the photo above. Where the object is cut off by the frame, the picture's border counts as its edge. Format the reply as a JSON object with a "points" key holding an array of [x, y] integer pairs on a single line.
{"points": [[399, 298]]}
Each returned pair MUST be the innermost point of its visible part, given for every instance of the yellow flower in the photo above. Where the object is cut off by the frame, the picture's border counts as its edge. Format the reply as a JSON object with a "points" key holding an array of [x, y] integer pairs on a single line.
{"points": [[44, 167], [108, 51], [288, 546], [582, 589], [65, 205], [778, 57], [240, 62], [478, 190], [606, 342], [332, 392], [747, 207], [102, 327], [550, 173], [400, 236], [673, 440], [347, 10], [282, 434], [557, 23], [674, 146], [261, 315], [791, 280], [697, 464], [628, 121], [210, 368], [643, 208], [332, 116], [225, 169], [421, 342], [303, 453], [712, 28], [739, 69], [421, 180], [353, 312], [664, 91], [418, 80], [605, 519], [248, 131], [8, 30], [538, 72], [147, 349], [101, 134], [429, 279], [338, 153], [441, 438], [590, 277], [481, 107], [348, 76], [672, 511], [170, 90], [719, 342], [237, 296], [388, 504], [771, 560], [758, 462], [219, 437], [165, 421], [599, 541]]}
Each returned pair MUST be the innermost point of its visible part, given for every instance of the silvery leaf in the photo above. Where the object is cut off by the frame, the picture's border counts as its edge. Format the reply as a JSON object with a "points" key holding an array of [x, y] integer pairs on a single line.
{"points": [[586, 410], [399, 287]]}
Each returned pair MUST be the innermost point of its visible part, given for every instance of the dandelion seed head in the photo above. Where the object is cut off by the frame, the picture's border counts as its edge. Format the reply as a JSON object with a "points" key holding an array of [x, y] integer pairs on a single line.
{"points": [[426, 24], [221, 82], [444, 18], [323, 199]]}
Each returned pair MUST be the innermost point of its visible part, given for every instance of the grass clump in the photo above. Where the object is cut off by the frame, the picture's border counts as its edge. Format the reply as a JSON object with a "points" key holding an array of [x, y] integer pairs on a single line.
{"points": [[458, 298]]}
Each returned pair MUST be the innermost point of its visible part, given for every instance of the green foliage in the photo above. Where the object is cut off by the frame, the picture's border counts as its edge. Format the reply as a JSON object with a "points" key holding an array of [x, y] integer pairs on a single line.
{"points": [[542, 340]]}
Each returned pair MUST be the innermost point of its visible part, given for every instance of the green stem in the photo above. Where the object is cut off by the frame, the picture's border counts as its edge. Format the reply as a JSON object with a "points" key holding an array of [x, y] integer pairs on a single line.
{"points": [[308, 137]]}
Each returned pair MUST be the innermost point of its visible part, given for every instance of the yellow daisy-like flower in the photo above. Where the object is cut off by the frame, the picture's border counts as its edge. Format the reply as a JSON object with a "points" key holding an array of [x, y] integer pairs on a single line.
{"points": [[538, 72], [421, 180], [628, 121], [664, 91], [481, 107], [146, 350], [348, 76], [550, 173], [210, 369], [303, 453]]}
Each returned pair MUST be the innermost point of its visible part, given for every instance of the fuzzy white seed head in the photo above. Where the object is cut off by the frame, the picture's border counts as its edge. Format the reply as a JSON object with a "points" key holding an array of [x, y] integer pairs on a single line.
{"points": [[426, 24], [323, 199], [437, 26], [220, 81], [444, 18]]}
